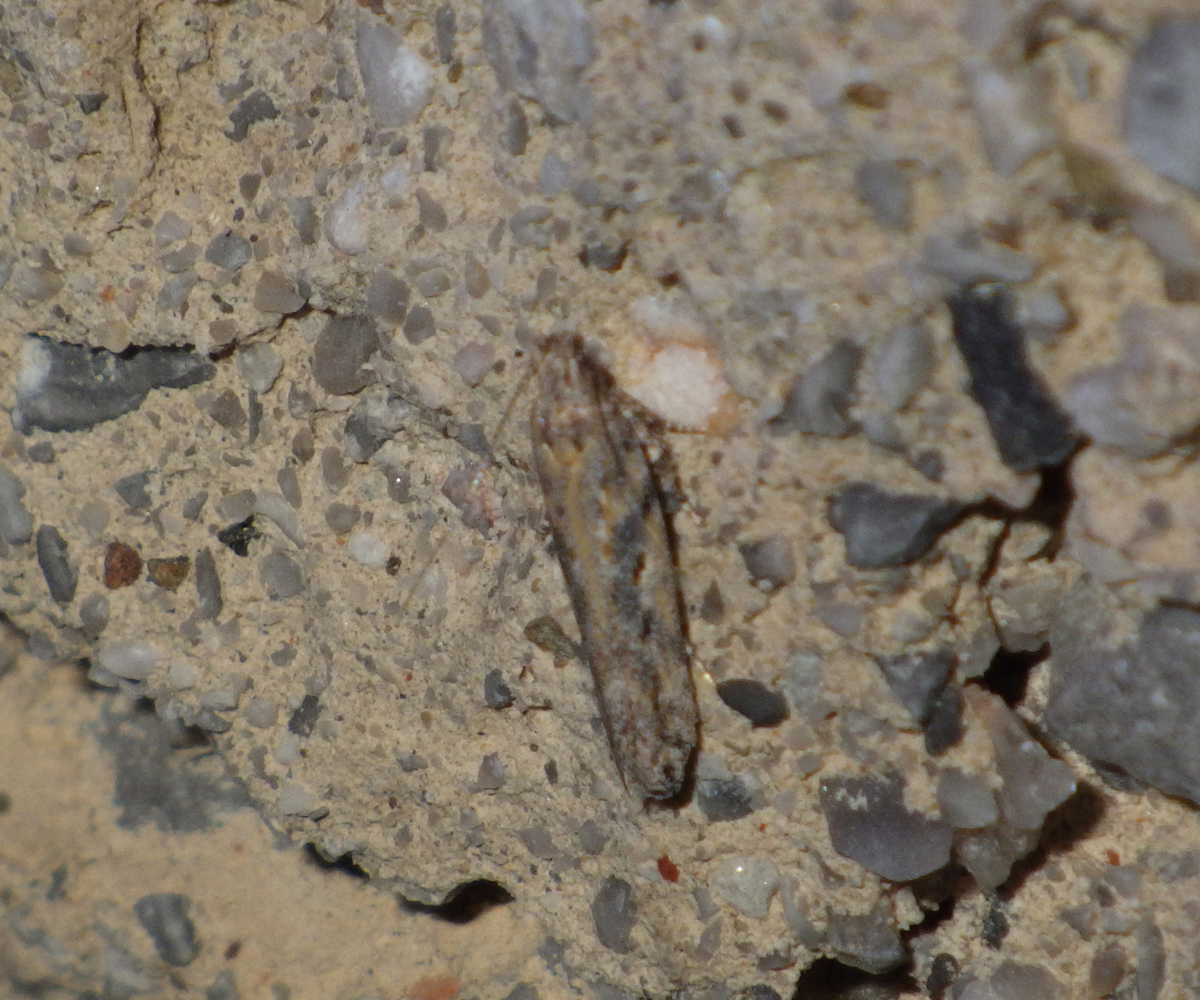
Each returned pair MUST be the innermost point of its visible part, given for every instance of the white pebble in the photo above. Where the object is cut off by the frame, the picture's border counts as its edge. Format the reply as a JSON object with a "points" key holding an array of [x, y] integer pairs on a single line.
{"points": [[397, 81], [365, 548], [133, 660], [345, 225], [182, 675], [296, 800]]}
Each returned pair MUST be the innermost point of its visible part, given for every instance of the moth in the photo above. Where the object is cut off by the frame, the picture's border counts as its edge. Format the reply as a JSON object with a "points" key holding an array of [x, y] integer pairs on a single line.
{"points": [[609, 519]]}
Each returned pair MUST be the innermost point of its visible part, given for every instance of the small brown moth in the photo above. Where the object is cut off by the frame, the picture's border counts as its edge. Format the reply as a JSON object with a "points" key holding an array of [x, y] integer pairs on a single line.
{"points": [[607, 513]]}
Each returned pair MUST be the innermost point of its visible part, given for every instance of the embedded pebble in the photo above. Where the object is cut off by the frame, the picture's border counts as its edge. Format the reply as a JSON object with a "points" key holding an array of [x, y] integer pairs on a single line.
{"points": [[276, 293], [222, 987], [747, 883], [132, 489], [93, 517], [367, 549], [280, 575], [193, 506], [492, 773], [430, 213], [754, 701], [475, 277], [282, 514], [168, 573], [130, 659], [342, 349], [614, 913], [722, 799], [237, 506], [1030, 429], [303, 720], [387, 297], [289, 488], [170, 228], [473, 362], [173, 295], [868, 941], [260, 712], [229, 250], [67, 387], [592, 837], [182, 675], [220, 699], [16, 523], [530, 227], [61, 577], [903, 364], [164, 915], [769, 561], [1162, 100], [341, 517], [334, 472], [820, 398], [296, 800], [419, 326], [93, 615], [496, 694], [515, 135], [917, 679], [965, 801], [869, 823], [345, 223], [259, 364], [396, 81], [208, 587], [183, 259], [539, 49], [41, 453], [884, 529], [1012, 125], [1151, 959], [1017, 981], [966, 261], [250, 110], [885, 187]]}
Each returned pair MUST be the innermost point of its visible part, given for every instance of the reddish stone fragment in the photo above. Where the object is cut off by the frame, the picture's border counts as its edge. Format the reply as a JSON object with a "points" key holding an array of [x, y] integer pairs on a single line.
{"points": [[122, 566]]}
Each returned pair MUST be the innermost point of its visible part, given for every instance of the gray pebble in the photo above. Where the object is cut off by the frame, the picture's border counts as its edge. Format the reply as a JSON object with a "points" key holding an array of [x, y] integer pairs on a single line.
{"points": [[261, 713], [492, 773], [220, 699], [259, 365], [514, 136], [443, 27], [282, 514], [16, 523], [592, 837], [61, 577], [277, 294], [884, 529], [496, 694], [820, 398], [237, 506], [430, 214], [770, 561], [303, 445], [904, 364], [433, 283], [343, 348], [966, 802], [614, 914], [435, 141], [193, 506], [227, 410], [132, 489], [180, 260], [164, 915], [289, 486], [419, 325], [723, 799], [522, 991], [304, 217], [341, 518], [170, 228], [229, 251], [538, 843], [41, 453], [886, 189], [255, 107], [917, 679], [173, 295], [208, 587], [869, 824], [387, 297], [966, 261], [475, 277], [303, 720], [334, 472], [530, 227], [754, 701], [868, 941], [93, 615], [280, 575], [1162, 100], [1017, 981], [223, 987]]}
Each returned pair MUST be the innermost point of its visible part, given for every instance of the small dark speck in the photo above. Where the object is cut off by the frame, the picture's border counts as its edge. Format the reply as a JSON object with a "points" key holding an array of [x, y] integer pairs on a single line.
{"points": [[304, 719], [754, 700], [237, 537], [734, 127]]}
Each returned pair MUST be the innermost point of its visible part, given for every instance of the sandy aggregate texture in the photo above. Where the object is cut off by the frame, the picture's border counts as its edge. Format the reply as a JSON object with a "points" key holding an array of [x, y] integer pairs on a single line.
{"points": [[751, 184]]}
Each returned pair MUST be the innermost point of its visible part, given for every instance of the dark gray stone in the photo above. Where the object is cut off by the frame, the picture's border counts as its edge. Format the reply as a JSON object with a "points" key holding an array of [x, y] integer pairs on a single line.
{"points": [[68, 387], [304, 719], [614, 913], [754, 700], [770, 561], [1030, 429], [869, 942], [208, 587], [223, 987], [61, 576], [257, 107], [496, 693], [869, 824], [132, 489], [164, 915], [343, 347], [917, 679], [883, 529]]}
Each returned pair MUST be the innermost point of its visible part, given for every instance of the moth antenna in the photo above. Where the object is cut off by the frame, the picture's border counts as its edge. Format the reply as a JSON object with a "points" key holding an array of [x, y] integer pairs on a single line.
{"points": [[424, 568], [534, 367]]}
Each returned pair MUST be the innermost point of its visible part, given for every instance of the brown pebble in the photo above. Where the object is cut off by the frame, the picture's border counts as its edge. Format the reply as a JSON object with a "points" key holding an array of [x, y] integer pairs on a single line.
{"points": [[122, 566], [168, 573], [547, 634]]}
